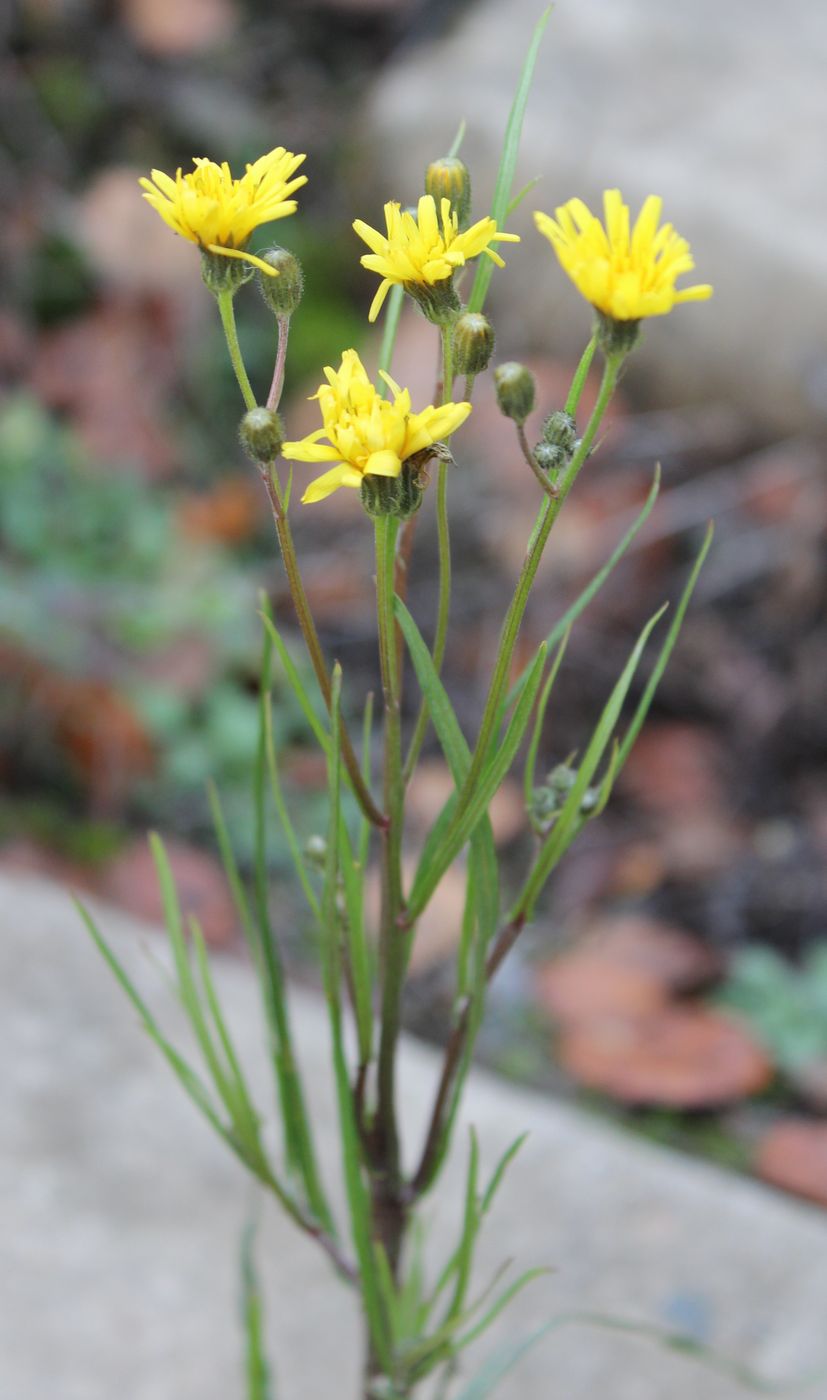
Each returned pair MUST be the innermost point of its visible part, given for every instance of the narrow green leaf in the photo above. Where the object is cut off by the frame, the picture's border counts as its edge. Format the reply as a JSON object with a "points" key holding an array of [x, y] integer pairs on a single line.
{"points": [[246, 1119], [457, 141], [470, 1230], [188, 991], [252, 1307], [502, 1302], [298, 687], [508, 160], [561, 834], [298, 1141], [507, 1357], [499, 1172], [375, 1304], [666, 650], [444, 720], [436, 858], [539, 720], [192, 1084], [483, 871], [284, 813], [572, 613], [518, 198]]}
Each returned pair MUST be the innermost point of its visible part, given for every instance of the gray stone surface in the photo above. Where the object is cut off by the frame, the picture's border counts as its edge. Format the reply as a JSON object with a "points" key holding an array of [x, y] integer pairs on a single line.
{"points": [[721, 108], [120, 1214]]}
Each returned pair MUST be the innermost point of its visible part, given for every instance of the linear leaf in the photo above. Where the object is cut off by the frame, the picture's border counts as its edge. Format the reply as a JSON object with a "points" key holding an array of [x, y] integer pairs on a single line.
{"points": [[436, 858], [579, 605], [508, 160], [666, 650], [559, 839], [539, 720], [257, 1368], [376, 1305]]}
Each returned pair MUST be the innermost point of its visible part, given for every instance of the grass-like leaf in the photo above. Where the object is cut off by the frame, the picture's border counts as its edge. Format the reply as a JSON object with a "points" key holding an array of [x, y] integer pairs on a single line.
{"points": [[539, 720], [580, 604], [564, 827], [378, 1307], [483, 906], [443, 845], [252, 1308], [506, 1358], [508, 160]]}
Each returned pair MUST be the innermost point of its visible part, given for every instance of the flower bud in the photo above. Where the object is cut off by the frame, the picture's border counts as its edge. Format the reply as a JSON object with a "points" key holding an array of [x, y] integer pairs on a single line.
{"points": [[549, 458], [393, 495], [284, 292], [560, 430], [262, 434], [548, 800], [222, 274], [473, 343], [315, 852], [448, 178], [515, 390], [616, 337], [437, 300]]}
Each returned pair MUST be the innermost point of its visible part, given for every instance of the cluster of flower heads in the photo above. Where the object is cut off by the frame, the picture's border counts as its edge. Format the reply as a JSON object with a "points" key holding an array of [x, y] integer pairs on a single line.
{"points": [[626, 273]]}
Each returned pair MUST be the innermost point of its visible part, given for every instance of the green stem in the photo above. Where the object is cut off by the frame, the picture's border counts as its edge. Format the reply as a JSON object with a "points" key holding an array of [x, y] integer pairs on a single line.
{"points": [[393, 941], [270, 480], [227, 312], [549, 512], [444, 546], [580, 375], [547, 486]]}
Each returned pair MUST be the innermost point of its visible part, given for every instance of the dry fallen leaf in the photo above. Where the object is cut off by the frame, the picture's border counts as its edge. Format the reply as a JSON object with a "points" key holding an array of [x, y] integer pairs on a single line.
{"points": [[793, 1156], [678, 1057], [583, 986], [672, 958]]}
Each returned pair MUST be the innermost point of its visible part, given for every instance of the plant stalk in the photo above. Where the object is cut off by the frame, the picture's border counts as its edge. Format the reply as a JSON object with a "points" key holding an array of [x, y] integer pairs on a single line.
{"points": [[288, 549]]}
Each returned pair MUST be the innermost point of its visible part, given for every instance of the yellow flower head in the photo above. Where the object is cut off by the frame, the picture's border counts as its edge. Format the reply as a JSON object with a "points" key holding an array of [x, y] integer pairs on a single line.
{"points": [[210, 208], [625, 274], [366, 434], [423, 250]]}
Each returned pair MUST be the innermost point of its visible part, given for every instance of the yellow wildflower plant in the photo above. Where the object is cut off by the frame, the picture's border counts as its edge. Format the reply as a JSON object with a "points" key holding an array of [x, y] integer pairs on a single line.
{"points": [[366, 434], [626, 273], [210, 208], [424, 250]]}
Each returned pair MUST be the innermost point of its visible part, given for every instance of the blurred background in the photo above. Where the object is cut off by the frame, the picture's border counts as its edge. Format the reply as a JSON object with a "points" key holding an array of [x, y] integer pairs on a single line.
{"points": [[677, 976]]}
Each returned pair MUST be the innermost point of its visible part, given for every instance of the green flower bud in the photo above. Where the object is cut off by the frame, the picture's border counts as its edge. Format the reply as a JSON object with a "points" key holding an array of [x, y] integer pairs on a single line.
{"points": [[283, 293], [262, 434], [394, 495], [222, 274], [448, 178], [549, 458], [473, 342], [437, 300], [616, 337], [548, 800], [315, 852], [560, 430], [515, 390]]}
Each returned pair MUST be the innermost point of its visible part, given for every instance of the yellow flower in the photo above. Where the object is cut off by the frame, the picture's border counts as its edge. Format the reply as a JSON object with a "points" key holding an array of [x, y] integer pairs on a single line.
{"points": [[626, 275], [366, 434], [210, 208], [420, 251]]}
